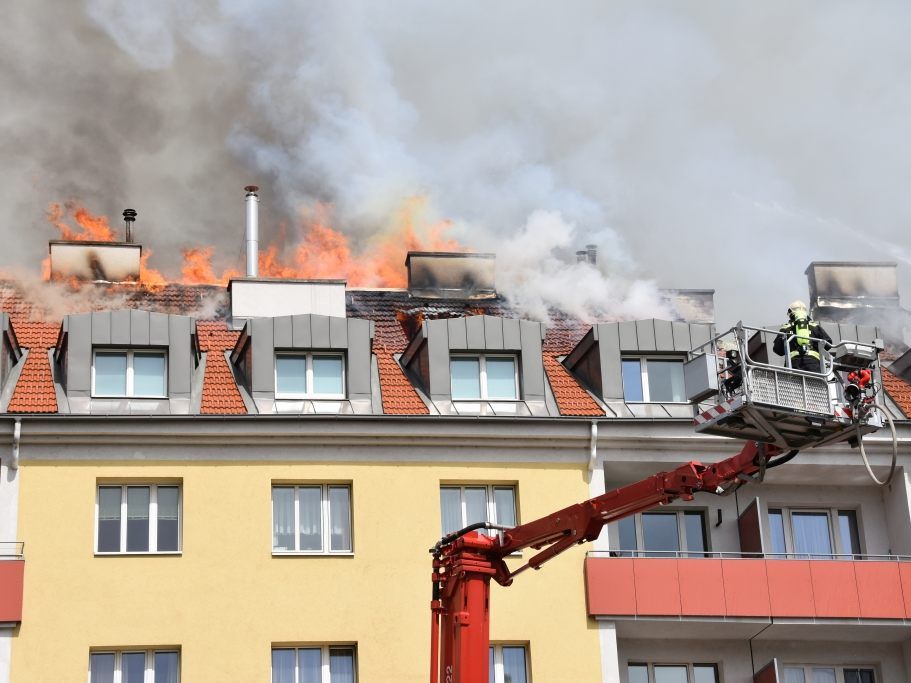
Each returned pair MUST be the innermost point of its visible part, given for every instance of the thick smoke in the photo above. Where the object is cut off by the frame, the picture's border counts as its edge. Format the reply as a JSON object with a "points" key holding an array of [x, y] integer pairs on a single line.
{"points": [[714, 144]]}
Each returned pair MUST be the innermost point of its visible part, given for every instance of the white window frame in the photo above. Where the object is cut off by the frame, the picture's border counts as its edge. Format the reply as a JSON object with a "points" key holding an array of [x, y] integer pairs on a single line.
{"points": [[309, 394], [839, 670], [690, 675], [491, 503], [482, 370], [129, 379], [325, 520], [149, 666], [681, 533], [153, 518], [499, 674], [838, 552], [643, 375], [324, 658]]}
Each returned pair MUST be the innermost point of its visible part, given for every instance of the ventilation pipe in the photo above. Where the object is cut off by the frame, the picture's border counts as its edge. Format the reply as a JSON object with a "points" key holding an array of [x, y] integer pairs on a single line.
{"points": [[591, 251], [129, 217], [252, 234]]}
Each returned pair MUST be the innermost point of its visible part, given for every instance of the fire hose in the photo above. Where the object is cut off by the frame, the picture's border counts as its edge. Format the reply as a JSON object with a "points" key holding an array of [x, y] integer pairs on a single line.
{"points": [[860, 444]]}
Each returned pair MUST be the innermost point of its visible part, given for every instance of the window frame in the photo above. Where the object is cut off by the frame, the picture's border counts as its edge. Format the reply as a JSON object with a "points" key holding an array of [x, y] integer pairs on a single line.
{"points": [[832, 518], [839, 670], [685, 551], [308, 359], [491, 502], [499, 674], [153, 518], [149, 665], [643, 375], [690, 667], [130, 375], [325, 650], [482, 376], [325, 518]]}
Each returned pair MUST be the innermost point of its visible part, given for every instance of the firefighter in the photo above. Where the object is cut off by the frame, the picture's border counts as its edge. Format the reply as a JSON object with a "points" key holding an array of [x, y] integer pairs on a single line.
{"points": [[807, 339]]}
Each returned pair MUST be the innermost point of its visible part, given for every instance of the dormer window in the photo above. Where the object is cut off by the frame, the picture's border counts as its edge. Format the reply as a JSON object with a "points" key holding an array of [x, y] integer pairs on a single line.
{"points": [[130, 373], [309, 375], [484, 377], [653, 380]]}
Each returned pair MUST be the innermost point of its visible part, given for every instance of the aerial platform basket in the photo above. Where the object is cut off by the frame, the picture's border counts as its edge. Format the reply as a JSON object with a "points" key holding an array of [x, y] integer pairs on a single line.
{"points": [[740, 394]]}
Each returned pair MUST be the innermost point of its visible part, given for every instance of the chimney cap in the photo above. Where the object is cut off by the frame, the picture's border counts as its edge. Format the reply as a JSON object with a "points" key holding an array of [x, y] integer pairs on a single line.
{"points": [[251, 189], [129, 215]]}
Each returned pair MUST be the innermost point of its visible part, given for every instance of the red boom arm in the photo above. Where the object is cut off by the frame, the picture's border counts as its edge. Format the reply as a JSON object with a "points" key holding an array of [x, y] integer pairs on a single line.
{"points": [[465, 562]]}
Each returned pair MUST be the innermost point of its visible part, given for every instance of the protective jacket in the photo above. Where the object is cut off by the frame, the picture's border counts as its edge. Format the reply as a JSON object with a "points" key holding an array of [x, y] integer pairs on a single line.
{"points": [[804, 339]]}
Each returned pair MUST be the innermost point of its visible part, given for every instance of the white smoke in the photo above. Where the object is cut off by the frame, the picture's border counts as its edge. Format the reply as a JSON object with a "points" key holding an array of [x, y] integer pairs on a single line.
{"points": [[661, 131]]}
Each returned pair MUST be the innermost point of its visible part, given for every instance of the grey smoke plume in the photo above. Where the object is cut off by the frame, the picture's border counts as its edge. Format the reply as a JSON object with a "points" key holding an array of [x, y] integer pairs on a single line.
{"points": [[699, 144]]}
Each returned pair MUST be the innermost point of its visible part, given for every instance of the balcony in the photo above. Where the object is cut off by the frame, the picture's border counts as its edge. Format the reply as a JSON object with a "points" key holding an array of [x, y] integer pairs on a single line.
{"points": [[12, 568], [760, 588]]}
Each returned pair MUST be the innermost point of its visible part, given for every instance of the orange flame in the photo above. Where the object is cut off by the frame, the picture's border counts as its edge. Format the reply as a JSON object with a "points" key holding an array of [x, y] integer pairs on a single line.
{"points": [[89, 228], [323, 252]]}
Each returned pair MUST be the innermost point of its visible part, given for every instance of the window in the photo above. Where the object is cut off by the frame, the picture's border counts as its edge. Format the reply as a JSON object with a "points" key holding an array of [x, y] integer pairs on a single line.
{"points": [[486, 377], [814, 533], [655, 380], [139, 374], [140, 666], [673, 673], [508, 664], [309, 375], [663, 534], [464, 505], [326, 664], [311, 518], [137, 519], [828, 674]]}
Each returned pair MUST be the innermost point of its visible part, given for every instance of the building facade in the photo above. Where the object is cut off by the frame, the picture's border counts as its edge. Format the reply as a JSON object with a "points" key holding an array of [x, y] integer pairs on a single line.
{"points": [[250, 495]]}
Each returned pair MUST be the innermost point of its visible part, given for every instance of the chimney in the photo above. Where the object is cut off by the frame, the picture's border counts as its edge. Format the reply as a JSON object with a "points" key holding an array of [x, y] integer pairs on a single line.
{"points": [[591, 251], [581, 256], [451, 275], [129, 217], [252, 232], [842, 290]]}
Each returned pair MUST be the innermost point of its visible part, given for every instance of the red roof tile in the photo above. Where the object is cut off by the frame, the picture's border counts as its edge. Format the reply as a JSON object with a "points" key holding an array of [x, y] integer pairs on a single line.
{"points": [[35, 391], [220, 395], [899, 391], [398, 394]]}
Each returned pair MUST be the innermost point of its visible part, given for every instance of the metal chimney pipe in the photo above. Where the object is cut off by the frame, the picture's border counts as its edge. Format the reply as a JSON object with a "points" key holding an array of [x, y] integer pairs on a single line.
{"points": [[592, 253], [252, 234], [129, 215]]}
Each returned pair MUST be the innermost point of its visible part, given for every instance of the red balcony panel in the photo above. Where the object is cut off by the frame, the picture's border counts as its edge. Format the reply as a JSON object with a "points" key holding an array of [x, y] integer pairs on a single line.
{"points": [[11, 574], [904, 572], [879, 589], [610, 588], [835, 589], [746, 588], [657, 587], [790, 588], [701, 588]]}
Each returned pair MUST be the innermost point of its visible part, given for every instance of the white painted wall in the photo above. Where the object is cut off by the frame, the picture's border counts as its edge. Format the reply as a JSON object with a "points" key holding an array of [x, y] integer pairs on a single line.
{"points": [[259, 299], [896, 499], [9, 506]]}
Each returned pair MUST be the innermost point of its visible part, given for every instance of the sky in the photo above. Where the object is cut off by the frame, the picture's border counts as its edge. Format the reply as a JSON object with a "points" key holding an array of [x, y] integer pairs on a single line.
{"points": [[715, 144]]}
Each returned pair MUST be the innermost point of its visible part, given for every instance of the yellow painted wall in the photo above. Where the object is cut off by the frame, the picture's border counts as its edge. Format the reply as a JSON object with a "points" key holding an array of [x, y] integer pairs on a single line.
{"points": [[226, 600]]}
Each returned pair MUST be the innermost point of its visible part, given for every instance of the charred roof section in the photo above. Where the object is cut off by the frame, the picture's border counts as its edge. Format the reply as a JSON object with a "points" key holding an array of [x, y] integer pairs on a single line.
{"points": [[451, 275]]}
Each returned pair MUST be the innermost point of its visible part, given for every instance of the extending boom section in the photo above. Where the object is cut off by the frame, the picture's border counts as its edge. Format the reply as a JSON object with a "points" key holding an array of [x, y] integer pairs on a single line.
{"points": [[466, 561]]}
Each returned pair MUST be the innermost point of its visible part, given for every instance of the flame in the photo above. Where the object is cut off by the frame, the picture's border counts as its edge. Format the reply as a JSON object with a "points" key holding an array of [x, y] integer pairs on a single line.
{"points": [[149, 277], [321, 251], [89, 228]]}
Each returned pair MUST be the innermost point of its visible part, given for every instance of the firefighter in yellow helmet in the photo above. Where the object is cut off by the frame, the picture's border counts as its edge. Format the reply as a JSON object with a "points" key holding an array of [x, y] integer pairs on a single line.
{"points": [[807, 339]]}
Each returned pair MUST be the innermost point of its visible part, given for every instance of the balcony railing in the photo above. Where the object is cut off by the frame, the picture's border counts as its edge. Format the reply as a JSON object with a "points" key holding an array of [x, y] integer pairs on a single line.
{"points": [[736, 555], [12, 570], [12, 550], [730, 585]]}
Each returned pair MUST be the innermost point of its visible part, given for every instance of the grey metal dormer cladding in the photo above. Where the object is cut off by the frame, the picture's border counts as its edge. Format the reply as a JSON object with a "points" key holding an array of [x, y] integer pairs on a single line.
{"points": [[254, 357], [128, 329], [596, 360], [10, 355], [427, 357]]}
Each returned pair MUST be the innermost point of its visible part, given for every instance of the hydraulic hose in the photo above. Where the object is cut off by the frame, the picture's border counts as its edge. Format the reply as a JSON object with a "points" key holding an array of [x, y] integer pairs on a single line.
{"points": [[863, 453]]}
